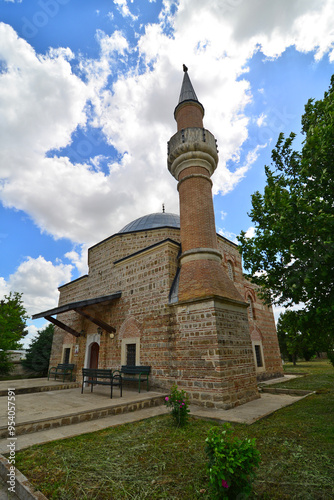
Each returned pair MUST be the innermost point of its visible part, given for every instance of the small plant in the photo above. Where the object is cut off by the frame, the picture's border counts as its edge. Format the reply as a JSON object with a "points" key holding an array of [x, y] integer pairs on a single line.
{"points": [[179, 403], [232, 462]]}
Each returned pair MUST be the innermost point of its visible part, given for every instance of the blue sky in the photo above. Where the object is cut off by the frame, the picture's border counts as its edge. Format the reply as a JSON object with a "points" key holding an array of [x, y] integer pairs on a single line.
{"points": [[87, 94]]}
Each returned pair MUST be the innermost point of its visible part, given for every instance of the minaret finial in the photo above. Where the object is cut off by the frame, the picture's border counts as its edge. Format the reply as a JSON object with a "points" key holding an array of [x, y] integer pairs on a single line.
{"points": [[163, 208], [185, 69]]}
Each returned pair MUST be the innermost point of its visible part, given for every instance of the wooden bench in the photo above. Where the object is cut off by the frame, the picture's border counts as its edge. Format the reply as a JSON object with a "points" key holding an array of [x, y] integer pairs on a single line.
{"points": [[135, 373], [97, 376], [63, 369]]}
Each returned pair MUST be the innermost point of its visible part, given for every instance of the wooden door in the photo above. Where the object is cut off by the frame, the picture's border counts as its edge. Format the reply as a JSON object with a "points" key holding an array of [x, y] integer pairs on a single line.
{"points": [[94, 355]]}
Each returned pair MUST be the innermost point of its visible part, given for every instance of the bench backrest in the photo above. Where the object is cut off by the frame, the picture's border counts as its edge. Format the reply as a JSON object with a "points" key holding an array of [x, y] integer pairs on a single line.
{"points": [[65, 366], [96, 372], [135, 370]]}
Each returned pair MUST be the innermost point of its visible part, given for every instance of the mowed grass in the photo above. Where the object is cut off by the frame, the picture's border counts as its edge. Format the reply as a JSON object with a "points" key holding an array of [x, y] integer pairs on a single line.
{"points": [[154, 460]]}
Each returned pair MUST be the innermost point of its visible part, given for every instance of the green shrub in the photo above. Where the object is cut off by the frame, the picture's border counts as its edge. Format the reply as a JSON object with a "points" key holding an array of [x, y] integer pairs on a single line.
{"points": [[179, 403], [5, 364], [232, 462]]}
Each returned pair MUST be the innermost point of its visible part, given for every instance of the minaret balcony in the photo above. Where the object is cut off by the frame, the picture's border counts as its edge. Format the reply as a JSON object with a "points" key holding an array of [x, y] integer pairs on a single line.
{"points": [[192, 146]]}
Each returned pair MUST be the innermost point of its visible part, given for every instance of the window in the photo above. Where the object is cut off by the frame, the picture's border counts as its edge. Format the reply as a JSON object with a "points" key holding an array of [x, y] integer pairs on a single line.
{"points": [[258, 356], [130, 351], [251, 308], [131, 354], [230, 270]]}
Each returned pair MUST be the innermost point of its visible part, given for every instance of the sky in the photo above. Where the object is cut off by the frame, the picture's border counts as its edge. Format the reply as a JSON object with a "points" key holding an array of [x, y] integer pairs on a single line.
{"points": [[87, 94]]}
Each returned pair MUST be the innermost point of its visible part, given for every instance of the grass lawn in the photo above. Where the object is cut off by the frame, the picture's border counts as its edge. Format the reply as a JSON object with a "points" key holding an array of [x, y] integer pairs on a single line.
{"points": [[154, 460]]}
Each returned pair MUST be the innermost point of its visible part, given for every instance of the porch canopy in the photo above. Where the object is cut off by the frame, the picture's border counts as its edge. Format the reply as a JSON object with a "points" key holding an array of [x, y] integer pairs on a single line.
{"points": [[79, 307]]}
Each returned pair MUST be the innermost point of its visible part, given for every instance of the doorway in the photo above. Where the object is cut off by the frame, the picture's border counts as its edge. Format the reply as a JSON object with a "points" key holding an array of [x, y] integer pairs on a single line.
{"points": [[66, 355], [94, 355]]}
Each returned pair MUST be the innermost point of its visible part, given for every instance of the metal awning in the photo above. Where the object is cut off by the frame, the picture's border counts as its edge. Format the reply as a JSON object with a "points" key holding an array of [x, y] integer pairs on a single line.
{"points": [[79, 307]]}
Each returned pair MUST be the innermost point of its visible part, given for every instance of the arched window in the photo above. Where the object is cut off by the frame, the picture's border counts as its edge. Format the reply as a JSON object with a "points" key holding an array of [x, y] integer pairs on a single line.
{"points": [[258, 356], [230, 270], [251, 307]]}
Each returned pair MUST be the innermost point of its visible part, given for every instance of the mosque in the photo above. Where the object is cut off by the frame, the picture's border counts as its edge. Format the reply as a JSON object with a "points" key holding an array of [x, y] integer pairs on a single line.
{"points": [[169, 292]]}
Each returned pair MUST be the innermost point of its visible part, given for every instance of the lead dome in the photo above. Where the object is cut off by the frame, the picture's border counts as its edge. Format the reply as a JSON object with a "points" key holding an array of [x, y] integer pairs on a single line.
{"points": [[152, 221]]}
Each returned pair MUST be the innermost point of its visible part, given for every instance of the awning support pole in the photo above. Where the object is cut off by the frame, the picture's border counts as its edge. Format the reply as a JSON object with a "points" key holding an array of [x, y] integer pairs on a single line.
{"points": [[61, 325], [98, 322]]}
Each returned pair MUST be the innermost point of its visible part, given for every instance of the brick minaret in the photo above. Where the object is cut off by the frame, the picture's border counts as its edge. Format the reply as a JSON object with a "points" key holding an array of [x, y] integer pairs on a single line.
{"points": [[192, 159]]}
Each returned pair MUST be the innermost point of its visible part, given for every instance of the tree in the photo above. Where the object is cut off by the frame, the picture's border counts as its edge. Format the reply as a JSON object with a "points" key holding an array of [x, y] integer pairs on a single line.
{"points": [[38, 353], [13, 318], [297, 336], [291, 255]]}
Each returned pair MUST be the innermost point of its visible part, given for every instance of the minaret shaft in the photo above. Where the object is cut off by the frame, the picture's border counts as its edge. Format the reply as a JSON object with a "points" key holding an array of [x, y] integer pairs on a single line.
{"points": [[196, 209]]}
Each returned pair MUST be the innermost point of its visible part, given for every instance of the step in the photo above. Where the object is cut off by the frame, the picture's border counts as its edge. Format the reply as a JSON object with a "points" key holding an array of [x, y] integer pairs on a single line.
{"points": [[117, 408], [39, 388]]}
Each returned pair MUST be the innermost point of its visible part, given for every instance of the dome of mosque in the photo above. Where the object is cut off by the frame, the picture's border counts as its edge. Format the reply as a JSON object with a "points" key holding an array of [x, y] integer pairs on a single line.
{"points": [[152, 221]]}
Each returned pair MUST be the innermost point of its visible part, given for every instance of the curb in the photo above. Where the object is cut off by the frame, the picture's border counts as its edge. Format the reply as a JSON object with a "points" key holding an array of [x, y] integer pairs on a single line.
{"points": [[292, 392], [23, 489]]}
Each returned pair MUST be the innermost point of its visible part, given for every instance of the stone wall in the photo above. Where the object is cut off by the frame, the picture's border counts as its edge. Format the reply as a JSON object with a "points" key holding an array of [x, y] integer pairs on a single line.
{"points": [[213, 353]]}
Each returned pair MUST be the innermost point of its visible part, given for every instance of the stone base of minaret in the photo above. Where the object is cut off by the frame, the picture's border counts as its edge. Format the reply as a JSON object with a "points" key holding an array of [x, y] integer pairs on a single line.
{"points": [[202, 278], [213, 359]]}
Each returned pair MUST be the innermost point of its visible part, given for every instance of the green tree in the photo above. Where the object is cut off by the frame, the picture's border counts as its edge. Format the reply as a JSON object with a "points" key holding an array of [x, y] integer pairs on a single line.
{"points": [[38, 353], [291, 256], [297, 336], [13, 318]]}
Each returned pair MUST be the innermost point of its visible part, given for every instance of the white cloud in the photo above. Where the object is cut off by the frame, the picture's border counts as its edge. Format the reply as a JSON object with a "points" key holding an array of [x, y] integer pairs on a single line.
{"points": [[85, 204], [278, 310], [123, 8], [261, 120], [115, 43], [225, 180], [32, 334], [250, 233], [229, 235], [4, 289], [79, 260], [41, 101], [38, 280]]}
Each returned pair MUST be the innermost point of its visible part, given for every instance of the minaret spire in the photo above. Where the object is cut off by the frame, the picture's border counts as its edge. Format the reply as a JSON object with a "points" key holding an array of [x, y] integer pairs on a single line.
{"points": [[187, 90], [188, 97]]}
